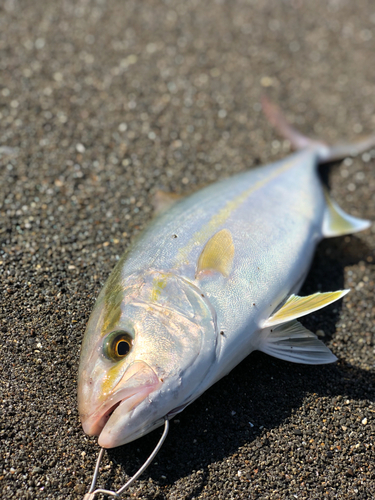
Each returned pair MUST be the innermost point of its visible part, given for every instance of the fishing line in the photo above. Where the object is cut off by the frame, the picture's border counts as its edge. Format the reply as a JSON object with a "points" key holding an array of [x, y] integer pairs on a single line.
{"points": [[116, 494]]}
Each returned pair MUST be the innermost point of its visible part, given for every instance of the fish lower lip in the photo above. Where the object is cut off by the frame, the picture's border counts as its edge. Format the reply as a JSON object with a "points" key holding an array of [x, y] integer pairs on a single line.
{"points": [[177, 410], [136, 384]]}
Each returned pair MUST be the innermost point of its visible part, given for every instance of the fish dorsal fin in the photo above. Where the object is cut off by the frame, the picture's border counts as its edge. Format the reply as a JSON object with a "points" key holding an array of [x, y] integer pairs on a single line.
{"points": [[163, 201], [296, 307], [337, 223], [217, 254], [293, 342]]}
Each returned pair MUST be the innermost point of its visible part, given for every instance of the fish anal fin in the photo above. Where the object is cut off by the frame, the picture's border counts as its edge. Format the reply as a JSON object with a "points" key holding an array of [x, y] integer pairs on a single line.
{"points": [[338, 223], [293, 342], [217, 254], [296, 306]]}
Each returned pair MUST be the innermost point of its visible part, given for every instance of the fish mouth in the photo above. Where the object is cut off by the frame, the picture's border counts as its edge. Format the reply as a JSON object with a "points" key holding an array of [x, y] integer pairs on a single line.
{"points": [[138, 381]]}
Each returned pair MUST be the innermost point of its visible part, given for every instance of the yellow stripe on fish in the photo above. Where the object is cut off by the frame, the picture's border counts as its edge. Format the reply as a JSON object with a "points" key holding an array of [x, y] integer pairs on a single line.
{"points": [[202, 235]]}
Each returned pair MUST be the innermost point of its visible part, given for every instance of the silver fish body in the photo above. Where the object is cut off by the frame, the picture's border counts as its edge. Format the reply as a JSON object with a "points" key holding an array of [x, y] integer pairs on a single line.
{"points": [[275, 215], [203, 286]]}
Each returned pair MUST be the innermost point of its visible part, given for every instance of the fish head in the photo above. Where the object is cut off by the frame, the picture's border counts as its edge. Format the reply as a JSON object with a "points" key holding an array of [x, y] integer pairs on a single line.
{"points": [[149, 343]]}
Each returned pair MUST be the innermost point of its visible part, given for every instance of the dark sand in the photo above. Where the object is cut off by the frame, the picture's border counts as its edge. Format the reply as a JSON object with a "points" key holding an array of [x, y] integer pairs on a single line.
{"points": [[102, 103]]}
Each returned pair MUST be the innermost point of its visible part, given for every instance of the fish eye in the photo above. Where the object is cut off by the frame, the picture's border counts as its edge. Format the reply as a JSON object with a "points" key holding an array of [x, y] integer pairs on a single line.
{"points": [[117, 345]]}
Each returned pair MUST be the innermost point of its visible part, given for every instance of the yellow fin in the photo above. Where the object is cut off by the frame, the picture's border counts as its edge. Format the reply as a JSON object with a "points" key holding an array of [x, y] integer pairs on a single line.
{"points": [[218, 253], [337, 223], [296, 306]]}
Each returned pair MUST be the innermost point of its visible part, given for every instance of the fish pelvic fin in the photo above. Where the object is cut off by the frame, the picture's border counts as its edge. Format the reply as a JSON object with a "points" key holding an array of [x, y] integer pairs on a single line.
{"points": [[336, 222], [293, 342], [326, 154], [296, 306]]}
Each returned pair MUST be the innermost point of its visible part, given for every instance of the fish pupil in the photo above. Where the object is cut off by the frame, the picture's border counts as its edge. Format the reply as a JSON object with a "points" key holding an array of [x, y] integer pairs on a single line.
{"points": [[123, 348]]}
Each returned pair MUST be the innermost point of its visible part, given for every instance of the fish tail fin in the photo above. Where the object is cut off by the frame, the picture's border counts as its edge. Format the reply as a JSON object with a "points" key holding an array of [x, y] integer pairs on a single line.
{"points": [[327, 153], [336, 222], [277, 119]]}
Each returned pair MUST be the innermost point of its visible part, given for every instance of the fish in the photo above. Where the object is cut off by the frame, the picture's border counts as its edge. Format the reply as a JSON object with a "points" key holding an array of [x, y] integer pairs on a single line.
{"points": [[213, 278]]}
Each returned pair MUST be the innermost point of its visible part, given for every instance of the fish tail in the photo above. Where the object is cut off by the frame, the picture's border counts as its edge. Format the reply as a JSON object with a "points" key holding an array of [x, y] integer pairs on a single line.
{"points": [[327, 153]]}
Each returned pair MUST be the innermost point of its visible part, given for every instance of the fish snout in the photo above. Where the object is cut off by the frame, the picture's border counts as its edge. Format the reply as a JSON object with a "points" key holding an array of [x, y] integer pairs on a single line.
{"points": [[138, 381]]}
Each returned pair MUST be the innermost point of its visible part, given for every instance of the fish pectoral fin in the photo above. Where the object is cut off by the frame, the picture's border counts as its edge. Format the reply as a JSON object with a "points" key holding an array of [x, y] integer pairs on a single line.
{"points": [[296, 306], [217, 254], [336, 222], [293, 342]]}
